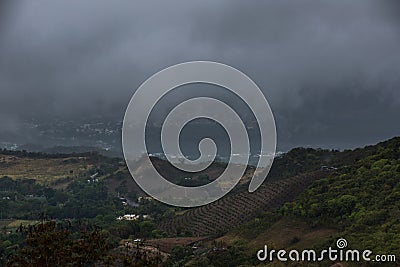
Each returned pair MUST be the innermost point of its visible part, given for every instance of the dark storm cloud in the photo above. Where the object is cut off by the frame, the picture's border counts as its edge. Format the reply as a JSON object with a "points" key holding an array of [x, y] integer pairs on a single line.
{"points": [[330, 69], [6, 8]]}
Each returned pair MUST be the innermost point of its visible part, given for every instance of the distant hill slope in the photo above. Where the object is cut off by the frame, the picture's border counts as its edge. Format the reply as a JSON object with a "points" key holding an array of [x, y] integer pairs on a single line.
{"points": [[42, 169], [291, 175], [55, 170], [360, 202], [237, 208]]}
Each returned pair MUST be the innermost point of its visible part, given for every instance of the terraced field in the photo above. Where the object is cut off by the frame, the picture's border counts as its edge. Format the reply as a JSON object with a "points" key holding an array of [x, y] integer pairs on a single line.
{"points": [[235, 209]]}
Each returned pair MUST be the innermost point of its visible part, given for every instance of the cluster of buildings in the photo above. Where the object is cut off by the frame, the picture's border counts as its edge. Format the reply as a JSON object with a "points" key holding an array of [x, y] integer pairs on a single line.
{"points": [[132, 217]]}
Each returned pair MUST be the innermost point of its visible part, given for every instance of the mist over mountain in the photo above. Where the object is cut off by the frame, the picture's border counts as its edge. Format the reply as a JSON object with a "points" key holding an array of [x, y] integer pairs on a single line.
{"points": [[329, 72]]}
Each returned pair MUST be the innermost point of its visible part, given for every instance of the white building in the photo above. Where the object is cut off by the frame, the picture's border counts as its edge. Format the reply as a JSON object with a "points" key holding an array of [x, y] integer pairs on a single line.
{"points": [[131, 217]]}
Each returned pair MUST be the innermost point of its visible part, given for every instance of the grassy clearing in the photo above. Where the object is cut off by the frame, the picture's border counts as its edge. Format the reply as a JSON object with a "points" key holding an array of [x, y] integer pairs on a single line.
{"points": [[17, 223], [286, 233], [43, 170]]}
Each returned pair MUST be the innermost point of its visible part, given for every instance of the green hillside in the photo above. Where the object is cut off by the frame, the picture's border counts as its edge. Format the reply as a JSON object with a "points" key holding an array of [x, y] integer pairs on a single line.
{"points": [[360, 201], [311, 198]]}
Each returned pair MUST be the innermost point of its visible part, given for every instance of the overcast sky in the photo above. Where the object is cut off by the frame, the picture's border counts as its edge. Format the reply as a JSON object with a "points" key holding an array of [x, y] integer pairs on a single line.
{"points": [[329, 69]]}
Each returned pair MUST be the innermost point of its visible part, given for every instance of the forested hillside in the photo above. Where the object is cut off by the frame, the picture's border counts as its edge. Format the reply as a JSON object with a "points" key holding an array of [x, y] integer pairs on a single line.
{"points": [[311, 198], [358, 201]]}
